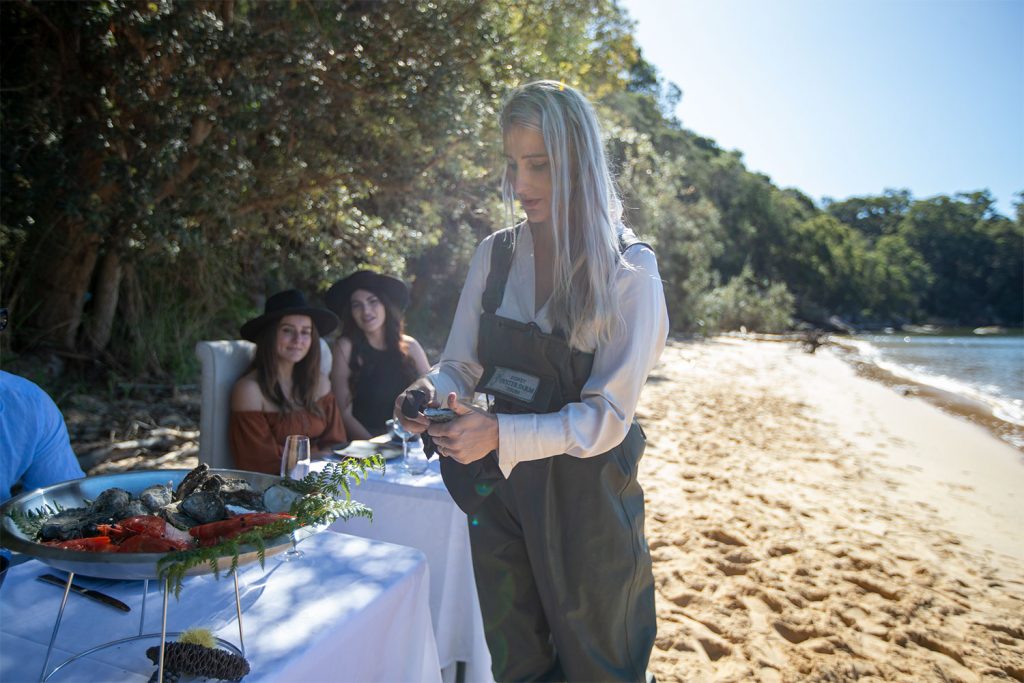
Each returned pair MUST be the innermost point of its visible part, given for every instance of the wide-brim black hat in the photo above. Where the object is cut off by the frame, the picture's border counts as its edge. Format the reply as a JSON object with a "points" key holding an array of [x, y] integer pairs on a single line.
{"points": [[289, 302], [391, 288]]}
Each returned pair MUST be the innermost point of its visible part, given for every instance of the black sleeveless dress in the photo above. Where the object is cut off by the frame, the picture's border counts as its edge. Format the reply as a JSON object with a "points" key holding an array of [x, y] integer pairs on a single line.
{"points": [[381, 378]]}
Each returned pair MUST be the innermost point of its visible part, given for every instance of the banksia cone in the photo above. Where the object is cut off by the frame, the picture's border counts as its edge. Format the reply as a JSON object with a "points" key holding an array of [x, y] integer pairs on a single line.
{"points": [[195, 660]]}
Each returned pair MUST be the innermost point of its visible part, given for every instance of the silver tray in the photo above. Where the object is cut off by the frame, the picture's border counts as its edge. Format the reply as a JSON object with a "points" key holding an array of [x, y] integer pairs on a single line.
{"points": [[130, 566]]}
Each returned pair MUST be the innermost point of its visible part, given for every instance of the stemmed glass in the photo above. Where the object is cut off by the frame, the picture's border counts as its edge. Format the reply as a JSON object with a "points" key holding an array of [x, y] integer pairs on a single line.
{"points": [[405, 436], [296, 452]]}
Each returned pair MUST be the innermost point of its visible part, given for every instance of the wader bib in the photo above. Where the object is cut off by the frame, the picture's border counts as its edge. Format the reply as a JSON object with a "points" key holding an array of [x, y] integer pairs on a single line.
{"points": [[562, 567]]}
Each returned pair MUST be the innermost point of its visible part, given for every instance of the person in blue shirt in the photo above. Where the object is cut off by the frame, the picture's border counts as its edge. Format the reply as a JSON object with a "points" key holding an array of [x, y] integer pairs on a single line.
{"points": [[34, 445]]}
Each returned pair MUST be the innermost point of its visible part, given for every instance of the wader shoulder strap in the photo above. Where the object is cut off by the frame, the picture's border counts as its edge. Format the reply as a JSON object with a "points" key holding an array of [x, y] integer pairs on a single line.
{"points": [[501, 264], [627, 239]]}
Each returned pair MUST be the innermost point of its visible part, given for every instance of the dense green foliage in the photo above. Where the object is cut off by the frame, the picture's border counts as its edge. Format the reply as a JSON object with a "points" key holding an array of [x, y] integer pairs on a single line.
{"points": [[167, 164]]}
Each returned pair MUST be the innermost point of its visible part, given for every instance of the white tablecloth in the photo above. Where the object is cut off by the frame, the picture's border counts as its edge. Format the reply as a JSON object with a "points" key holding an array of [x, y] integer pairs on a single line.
{"points": [[351, 609], [417, 511]]}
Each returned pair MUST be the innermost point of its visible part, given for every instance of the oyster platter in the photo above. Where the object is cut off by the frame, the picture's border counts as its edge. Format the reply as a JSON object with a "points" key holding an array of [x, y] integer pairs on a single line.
{"points": [[171, 523]]}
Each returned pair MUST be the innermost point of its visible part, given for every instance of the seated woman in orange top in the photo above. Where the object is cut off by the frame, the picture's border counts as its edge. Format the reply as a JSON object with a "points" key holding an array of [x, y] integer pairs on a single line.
{"points": [[284, 392]]}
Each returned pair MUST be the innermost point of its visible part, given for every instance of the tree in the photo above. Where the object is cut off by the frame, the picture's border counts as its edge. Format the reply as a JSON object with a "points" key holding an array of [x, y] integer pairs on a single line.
{"points": [[975, 256], [828, 262], [235, 148], [872, 216], [898, 279]]}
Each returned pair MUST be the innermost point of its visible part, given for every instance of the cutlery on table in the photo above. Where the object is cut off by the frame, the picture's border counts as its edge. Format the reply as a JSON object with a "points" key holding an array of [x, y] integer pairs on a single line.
{"points": [[87, 592]]}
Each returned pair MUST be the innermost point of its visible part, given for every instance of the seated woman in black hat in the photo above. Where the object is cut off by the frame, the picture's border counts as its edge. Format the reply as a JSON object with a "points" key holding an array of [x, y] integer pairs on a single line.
{"points": [[284, 392], [374, 361]]}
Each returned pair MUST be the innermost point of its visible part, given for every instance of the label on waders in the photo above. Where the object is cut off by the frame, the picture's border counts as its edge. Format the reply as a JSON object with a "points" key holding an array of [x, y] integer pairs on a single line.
{"points": [[519, 385]]}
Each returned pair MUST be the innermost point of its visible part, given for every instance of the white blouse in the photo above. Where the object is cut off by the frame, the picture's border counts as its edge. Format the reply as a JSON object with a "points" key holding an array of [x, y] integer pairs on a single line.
{"points": [[600, 420]]}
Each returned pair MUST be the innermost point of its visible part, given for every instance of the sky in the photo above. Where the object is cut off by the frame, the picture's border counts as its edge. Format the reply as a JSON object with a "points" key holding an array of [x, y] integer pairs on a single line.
{"points": [[844, 98]]}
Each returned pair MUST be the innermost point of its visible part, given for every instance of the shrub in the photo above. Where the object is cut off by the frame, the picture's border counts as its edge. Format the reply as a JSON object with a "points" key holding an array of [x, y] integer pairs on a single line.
{"points": [[745, 302]]}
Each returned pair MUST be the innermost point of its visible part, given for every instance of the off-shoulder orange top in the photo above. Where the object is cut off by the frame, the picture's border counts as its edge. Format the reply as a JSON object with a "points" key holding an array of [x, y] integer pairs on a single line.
{"points": [[258, 437]]}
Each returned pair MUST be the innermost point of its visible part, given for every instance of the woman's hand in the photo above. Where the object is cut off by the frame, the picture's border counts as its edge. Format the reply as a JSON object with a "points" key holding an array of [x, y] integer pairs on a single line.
{"points": [[419, 423], [469, 437]]}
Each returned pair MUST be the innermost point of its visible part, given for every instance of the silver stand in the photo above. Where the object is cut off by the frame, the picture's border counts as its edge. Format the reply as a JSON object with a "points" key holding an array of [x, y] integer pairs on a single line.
{"points": [[43, 676]]}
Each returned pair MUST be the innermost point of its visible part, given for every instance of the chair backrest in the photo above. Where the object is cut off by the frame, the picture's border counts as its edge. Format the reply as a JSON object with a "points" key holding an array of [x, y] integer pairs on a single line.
{"points": [[223, 362]]}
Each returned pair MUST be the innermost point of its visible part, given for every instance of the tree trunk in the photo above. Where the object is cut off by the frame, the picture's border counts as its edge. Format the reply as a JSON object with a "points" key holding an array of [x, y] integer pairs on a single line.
{"points": [[108, 287], [65, 280], [131, 304]]}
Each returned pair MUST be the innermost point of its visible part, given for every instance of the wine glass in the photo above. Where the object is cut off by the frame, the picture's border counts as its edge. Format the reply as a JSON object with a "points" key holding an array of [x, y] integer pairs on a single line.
{"points": [[405, 435], [415, 458], [296, 452]]}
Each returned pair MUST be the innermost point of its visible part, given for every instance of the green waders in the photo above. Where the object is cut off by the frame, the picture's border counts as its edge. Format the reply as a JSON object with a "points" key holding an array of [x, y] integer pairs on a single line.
{"points": [[562, 567]]}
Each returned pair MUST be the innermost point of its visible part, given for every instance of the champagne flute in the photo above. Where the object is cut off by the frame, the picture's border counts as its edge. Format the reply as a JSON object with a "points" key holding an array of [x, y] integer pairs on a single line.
{"points": [[296, 452]]}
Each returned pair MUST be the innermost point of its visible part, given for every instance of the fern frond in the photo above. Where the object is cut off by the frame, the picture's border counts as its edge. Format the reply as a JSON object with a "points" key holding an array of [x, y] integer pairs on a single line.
{"points": [[31, 521]]}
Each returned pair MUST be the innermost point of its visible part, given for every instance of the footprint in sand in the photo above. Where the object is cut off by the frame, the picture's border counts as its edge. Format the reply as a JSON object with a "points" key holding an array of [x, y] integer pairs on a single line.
{"points": [[725, 537], [930, 643], [683, 599], [797, 634], [741, 557], [813, 593], [779, 550], [878, 587], [859, 618], [1017, 633], [714, 648], [731, 568]]}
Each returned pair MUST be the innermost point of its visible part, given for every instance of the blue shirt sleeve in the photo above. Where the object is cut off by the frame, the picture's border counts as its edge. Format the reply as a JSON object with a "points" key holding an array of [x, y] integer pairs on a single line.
{"points": [[53, 460], [34, 444]]}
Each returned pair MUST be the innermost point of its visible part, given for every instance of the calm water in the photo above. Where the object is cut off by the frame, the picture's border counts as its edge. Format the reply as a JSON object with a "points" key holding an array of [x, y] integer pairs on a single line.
{"points": [[987, 368]]}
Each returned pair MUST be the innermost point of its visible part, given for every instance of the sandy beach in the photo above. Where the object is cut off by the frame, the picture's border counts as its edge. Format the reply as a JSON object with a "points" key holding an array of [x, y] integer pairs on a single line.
{"points": [[808, 524]]}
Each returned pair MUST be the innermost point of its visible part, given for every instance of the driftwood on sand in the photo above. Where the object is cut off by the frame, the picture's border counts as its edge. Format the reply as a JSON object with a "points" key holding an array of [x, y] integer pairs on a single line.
{"points": [[158, 427]]}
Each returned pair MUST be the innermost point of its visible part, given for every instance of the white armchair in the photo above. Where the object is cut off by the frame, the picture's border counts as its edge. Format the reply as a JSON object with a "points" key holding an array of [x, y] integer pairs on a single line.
{"points": [[222, 363]]}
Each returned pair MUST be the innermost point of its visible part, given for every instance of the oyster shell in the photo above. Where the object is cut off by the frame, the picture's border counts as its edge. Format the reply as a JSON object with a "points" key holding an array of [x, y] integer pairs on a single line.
{"points": [[204, 506], [173, 514], [193, 481], [65, 525], [157, 496], [112, 504], [279, 498]]}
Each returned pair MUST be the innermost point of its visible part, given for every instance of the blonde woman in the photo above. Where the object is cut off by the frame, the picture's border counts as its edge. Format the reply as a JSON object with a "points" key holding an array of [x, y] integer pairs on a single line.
{"points": [[560, 320]]}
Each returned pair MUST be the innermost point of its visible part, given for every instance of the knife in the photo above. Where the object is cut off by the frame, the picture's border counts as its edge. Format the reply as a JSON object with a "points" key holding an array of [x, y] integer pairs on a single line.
{"points": [[87, 592]]}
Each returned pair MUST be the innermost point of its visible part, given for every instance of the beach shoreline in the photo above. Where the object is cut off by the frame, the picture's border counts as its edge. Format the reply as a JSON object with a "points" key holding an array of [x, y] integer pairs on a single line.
{"points": [[808, 523], [960, 405]]}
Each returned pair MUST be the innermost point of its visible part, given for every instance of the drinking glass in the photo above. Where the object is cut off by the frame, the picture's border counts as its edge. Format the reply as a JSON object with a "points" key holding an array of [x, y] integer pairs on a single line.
{"points": [[415, 457], [406, 437], [296, 452]]}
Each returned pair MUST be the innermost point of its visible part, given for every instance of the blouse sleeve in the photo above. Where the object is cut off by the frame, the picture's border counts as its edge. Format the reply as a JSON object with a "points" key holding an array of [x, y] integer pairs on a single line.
{"points": [[600, 420], [459, 369], [253, 444], [334, 429]]}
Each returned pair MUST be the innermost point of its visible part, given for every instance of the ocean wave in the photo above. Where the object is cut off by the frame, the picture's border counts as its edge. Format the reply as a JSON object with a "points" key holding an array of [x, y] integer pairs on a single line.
{"points": [[1006, 409]]}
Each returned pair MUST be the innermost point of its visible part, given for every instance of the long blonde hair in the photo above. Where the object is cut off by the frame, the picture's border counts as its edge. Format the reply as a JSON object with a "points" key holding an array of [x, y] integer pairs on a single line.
{"points": [[585, 207]]}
